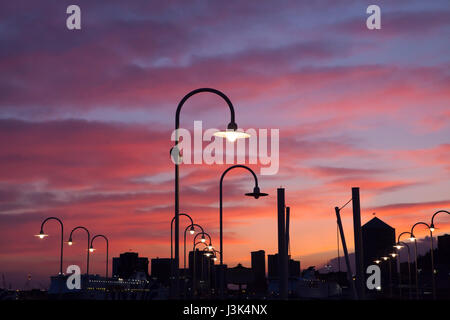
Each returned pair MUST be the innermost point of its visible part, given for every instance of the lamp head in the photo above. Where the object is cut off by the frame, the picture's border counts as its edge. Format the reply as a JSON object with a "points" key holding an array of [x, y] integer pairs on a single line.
{"points": [[70, 242], [377, 261], [256, 193], [231, 134], [41, 235], [192, 230], [203, 238], [384, 258], [393, 254], [432, 227], [214, 258], [210, 247], [207, 253], [398, 246], [91, 249], [412, 238]]}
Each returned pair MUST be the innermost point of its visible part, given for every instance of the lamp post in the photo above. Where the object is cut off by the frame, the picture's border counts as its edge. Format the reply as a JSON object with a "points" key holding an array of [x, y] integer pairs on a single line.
{"points": [[231, 134], [256, 194], [394, 256], [432, 218], [431, 254], [386, 258], [401, 244], [88, 245], [412, 239], [91, 249], [42, 235], [171, 242]]}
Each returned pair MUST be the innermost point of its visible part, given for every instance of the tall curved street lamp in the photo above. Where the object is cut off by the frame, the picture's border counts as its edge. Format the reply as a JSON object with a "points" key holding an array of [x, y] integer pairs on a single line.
{"points": [[42, 235], [91, 249], [231, 134], [398, 246], [191, 231], [431, 254], [70, 242], [256, 194], [432, 218], [171, 231]]}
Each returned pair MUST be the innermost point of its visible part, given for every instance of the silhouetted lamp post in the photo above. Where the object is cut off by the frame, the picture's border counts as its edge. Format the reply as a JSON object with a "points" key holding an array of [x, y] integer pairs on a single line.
{"points": [[42, 235], [432, 218], [256, 194], [412, 239], [91, 249], [231, 134], [191, 231], [431, 254], [70, 242], [398, 246]]}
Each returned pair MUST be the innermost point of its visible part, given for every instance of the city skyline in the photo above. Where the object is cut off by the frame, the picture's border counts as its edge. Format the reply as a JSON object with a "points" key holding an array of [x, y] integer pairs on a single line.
{"points": [[86, 118]]}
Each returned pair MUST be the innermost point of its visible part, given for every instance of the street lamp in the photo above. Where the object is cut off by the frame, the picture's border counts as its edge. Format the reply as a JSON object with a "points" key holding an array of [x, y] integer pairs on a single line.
{"points": [[42, 235], [433, 283], [88, 245], [231, 134], [399, 246], [256, 194], [432, 218], [412, 239], [203, 239], [107, 249], [171, 236]]}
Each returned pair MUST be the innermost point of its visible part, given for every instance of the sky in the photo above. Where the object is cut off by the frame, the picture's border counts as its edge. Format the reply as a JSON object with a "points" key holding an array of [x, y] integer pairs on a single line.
{"points": [[86, 118]]}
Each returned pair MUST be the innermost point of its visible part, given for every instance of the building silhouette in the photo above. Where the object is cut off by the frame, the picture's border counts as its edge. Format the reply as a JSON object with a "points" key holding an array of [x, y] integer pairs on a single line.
{"points": [[160, 270], [130, 266], [378, 240], [259, 285], [272, 264]]}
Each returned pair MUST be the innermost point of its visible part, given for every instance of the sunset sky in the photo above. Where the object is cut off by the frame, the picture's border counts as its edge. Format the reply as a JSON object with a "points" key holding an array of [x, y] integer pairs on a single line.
{"points": [[86, 118]]}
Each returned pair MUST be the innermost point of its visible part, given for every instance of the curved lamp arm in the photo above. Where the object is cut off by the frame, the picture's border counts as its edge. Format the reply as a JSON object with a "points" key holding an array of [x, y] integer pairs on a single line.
{"points": [[416, 224], [191, 227], [406, 232], [99, 236], [42, 235], [107, 249], [432, 218], [232, 125], [171, 230], [255, 189], [203, 233], [88, 246]]}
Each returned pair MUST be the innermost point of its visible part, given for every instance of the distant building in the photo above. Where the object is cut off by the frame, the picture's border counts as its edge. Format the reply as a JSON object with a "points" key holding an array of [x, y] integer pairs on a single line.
{"points": [[378, 240], [130, 266], [272, 263], [444, 249], [294, 268], [239, 278], [160, 270], [259, 284]]}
